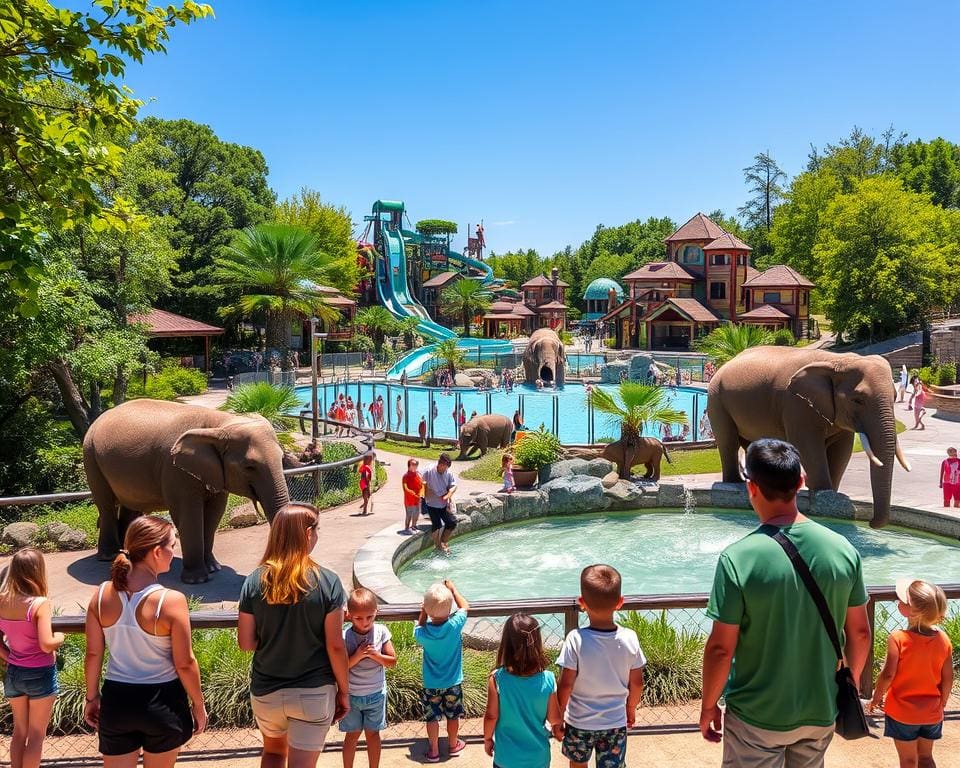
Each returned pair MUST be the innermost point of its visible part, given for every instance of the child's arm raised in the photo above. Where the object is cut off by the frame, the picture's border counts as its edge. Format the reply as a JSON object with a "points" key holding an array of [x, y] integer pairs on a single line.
{"points": [[491, 715], [946, 681], [634, 694], [48, 640], [422, 620], [886, 675], [459, 599]]}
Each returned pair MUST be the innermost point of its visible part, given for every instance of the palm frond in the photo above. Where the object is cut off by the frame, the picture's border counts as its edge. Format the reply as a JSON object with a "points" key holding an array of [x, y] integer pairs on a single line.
{"points": [[727, 341]]}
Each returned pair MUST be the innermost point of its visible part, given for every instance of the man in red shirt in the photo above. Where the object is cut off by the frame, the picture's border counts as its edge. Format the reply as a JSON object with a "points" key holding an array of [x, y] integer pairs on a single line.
{"points": [[950, 478], [412, 484]]}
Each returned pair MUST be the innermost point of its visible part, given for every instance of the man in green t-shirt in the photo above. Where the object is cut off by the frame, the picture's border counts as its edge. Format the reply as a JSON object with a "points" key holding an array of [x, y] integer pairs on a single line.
{"points": [[769, 654]]}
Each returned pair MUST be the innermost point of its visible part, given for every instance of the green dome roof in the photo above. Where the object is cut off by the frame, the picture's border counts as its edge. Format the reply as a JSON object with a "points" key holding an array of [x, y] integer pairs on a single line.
{"points": [[600, 289]]}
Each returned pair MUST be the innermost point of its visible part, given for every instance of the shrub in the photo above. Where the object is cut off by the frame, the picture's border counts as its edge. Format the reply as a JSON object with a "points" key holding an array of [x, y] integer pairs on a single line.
{"points": [[61, 469], [170, 382], [947, 374], [928, 375], [537, 449], [610, 343], [784, 338], [271, 402], [565, 337]]}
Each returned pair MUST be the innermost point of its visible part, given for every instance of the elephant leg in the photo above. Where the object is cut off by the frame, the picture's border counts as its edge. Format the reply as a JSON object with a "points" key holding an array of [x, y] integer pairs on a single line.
{"points": [[212, 515], [839, 451], [124, 518], [648, 475], [655, 461], [108, 539], [728, 444], [190, 522], [813, 454]]}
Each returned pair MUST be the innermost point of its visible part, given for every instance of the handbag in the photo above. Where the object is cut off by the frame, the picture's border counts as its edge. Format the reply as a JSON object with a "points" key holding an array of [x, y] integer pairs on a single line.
{"points": [[851, 720]]}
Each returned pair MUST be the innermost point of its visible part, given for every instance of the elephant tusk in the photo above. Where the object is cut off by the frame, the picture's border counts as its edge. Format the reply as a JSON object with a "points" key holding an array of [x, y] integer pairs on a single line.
{"points": [[865, 442], [902, 459]]}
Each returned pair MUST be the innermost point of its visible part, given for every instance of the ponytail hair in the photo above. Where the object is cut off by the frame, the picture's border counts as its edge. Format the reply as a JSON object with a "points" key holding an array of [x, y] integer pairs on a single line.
{"points": [[25, 575], [143, 535], [521, 647]]}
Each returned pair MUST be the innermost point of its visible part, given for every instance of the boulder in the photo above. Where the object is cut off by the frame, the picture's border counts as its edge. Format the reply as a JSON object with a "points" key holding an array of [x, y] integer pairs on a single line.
{"points": [[22, 534], [243, 516], [598, 468], [610, 373], [640, 367], [610, 479], [71, 540], [729, 496], [462, 380], [51, 530], [623, 495], [563, 468], [521, 505], [672, 495], [577, 493], [483, 510]]}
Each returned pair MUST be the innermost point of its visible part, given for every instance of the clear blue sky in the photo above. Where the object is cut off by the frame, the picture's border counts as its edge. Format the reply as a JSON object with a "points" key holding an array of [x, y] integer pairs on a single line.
{"points": [[546, 119]]}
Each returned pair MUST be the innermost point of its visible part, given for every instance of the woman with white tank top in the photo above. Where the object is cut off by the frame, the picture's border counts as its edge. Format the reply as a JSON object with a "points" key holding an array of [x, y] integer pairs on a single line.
{"points": [[143, 703]]}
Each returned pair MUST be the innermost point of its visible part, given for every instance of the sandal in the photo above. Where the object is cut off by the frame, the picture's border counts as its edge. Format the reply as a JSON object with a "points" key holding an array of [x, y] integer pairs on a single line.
{"points": [[457, 748], [432, 758]]}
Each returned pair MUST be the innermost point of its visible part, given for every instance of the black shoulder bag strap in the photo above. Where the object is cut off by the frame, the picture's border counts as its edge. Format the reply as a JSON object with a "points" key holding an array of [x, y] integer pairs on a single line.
{"points": [[851, 720]]}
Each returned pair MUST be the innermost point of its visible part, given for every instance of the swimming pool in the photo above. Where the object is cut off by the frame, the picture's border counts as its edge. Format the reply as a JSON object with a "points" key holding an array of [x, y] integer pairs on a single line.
{"points": [[564, 411]]}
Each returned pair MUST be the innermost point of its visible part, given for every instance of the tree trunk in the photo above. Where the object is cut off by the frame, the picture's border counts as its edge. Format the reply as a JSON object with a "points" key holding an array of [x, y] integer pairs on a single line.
{"points": [[278, 331], [96, 403], [120, 382], [77, 410], [466, 321]]}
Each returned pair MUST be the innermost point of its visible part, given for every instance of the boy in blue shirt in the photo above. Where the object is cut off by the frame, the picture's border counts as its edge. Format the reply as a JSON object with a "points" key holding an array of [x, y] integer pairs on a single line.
{"points": [[438, 632]]}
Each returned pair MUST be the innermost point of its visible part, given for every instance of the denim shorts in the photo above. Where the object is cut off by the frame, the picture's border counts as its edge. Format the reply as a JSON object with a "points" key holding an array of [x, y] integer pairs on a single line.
{"points": [[32, 682], [904, 732], [367, 713]]}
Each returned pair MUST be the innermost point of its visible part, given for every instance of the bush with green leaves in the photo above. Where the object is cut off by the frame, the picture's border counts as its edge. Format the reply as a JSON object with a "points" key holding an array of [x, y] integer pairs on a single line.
{"points": [[947, 374], [170, 382], [784, 338], [272, 402], [537, 449]]}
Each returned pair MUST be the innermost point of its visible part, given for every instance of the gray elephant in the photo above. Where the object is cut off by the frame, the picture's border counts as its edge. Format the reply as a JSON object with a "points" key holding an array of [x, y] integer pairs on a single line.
{"points": [[150, 455], [484, 432], [816, 400], [544, 358]]}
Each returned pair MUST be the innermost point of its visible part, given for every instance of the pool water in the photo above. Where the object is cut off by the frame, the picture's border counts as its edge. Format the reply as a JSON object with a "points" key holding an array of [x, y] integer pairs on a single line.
{"points": [[657, 553], [563, 411]]}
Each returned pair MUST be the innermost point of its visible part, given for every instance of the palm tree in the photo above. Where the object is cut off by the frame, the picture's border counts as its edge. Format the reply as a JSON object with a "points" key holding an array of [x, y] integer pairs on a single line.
{"points": [[408, 328], [274, 266], [728, 340], [465, 298], [378, 322], [450, 355], [633, 407], [275, 404]]}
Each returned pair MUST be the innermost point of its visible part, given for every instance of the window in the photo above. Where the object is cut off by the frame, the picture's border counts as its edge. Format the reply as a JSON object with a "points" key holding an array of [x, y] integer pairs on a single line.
{"points": [[803, 298], [742, 260], [691, 255], [718, 290], [720, 259], [771, 297]]}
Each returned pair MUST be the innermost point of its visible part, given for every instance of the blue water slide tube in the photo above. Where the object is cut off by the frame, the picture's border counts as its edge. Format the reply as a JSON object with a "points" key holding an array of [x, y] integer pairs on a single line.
{"points": [[423, 359], [474, 264]]}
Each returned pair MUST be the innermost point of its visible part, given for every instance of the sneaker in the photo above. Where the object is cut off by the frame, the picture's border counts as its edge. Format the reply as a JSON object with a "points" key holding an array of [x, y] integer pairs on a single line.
{"points": [[432, 758], [457, 748]]}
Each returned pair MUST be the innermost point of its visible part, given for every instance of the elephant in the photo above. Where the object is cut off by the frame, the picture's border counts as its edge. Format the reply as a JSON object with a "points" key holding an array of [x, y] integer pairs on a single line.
{"points": [[815, 400], [544, 358], [644, 450], [150, 455], [483, 432]]}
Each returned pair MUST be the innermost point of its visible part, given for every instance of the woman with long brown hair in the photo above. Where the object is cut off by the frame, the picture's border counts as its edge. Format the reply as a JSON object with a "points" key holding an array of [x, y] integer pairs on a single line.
{"points": [[152, 671], [291, 617]]}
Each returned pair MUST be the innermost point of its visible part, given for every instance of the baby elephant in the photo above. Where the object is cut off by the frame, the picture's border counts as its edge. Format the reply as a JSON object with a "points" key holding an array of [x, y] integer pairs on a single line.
{"points": [[483, 432]]}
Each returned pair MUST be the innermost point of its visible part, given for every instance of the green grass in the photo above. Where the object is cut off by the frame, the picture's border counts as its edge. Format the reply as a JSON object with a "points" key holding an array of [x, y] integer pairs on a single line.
{"points": [[486, 468], [696, 462], [82, 516], [414, 449]]}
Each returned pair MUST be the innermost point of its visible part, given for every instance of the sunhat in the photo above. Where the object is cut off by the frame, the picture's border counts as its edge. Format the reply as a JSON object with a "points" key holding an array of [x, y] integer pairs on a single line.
{"points": [[903, 590]]}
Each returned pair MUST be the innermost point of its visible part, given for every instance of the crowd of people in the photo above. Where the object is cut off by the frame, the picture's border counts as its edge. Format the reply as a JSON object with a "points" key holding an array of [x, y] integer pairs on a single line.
{"points": [[319, 655]]}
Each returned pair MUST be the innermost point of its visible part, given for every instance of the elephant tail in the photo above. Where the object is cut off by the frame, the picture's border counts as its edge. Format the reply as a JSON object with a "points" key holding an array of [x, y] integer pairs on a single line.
{"points": [[666, 455]]}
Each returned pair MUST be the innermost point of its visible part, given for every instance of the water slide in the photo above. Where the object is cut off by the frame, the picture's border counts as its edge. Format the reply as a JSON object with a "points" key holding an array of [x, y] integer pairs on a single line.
{"points": [[481, 266]]}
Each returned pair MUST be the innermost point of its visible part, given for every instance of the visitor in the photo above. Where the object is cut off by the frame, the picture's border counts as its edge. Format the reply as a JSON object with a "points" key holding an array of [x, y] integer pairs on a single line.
{"points": [[439, 487], [769, 643], [312, 454], [601, 675], [902, 389], [918, 399], [403, 378], [434, 411], [518, 421], [684, 434], [653, 374], [706, 431], [366, 479], [399, 411], [151, 697], [914, 685], [291, 617], [370, 651], [539, 383], [950, 478], [412, 485], [438, 632], [29, 650], [506, 469], [380, 421], [666, 432], [463, 415], [473, 415], [372, 410], [679, 375], [351, 415], [521, 697], [422, 431], [361, 421]]}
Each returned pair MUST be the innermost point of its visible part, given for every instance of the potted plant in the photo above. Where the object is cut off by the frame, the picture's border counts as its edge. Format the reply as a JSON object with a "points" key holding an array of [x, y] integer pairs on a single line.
{"points": [[532, 452]]}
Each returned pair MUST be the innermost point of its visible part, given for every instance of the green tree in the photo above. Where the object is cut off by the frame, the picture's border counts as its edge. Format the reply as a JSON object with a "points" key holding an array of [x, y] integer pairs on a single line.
{"points": [[606, 264], [728, 340], [516, 267], [886, 256], [449, 355], [764, 178], [333, 229], [932, 167], [465, 298], [273, 267], [799, 220], [856, 157], [57, 150], [378, 323], [276, 404]]}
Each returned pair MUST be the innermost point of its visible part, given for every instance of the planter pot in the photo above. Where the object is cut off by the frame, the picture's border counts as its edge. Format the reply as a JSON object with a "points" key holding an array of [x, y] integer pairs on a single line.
{"points": [[525, 478]]}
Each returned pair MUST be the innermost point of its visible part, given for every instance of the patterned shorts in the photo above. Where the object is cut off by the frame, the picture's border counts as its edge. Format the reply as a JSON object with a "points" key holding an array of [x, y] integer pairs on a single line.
{"points": [[611, 746], [442, 704]]}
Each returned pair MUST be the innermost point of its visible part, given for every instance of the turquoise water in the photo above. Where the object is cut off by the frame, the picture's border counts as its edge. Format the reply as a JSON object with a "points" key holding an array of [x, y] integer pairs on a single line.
{"points": [[563, 411], [657, 553]]}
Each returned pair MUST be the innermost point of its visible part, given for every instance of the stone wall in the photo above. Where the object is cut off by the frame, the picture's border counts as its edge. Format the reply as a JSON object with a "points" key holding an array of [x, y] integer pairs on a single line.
{"points": [[945, 344]]}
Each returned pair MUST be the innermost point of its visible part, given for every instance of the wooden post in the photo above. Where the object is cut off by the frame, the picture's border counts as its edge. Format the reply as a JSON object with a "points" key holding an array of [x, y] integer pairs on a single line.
{"points": [[866, 677], [206, 355], [571, 620]]}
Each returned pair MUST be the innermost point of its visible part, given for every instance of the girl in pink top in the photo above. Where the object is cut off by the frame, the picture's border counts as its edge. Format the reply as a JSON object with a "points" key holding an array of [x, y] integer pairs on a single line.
{"points": [[28, 647], [919, 398]]}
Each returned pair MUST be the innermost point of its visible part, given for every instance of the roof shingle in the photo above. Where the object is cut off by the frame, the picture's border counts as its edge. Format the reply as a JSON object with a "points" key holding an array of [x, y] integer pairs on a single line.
{"points": [[159, 323], [699, 227], [660, 270], [780, 276], [727, 242], [689, 307]]}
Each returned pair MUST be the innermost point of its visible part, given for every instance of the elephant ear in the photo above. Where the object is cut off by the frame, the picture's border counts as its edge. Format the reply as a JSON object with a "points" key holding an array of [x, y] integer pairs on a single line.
{"points": [[199, 453], [814, 384]]}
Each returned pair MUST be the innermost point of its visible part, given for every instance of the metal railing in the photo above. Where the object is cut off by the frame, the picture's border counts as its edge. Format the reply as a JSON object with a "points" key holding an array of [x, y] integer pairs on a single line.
{"points": [[672, 678]]}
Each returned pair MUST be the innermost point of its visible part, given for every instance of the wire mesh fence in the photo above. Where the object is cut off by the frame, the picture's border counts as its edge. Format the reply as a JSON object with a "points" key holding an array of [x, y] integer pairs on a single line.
{"points": [[672, 628]]}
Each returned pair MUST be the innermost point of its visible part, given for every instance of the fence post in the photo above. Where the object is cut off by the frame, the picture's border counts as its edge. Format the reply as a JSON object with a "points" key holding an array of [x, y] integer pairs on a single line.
{"points": [[406, 411], [695, 428], [571, 620], [556, 416], [866, 677], [430, 402], [389, 420]]}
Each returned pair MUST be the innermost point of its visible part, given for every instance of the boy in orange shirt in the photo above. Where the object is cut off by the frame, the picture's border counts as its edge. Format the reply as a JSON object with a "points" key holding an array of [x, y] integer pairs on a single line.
{"points": [[412, 484]]}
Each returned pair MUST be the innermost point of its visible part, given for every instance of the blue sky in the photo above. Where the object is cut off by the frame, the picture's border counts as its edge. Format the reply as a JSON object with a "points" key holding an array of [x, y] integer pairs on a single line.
{"points": [[546, 119]]}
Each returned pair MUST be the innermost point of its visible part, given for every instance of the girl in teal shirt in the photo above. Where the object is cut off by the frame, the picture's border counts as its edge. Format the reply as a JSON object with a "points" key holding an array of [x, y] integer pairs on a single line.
{"points": [[521, 699]]}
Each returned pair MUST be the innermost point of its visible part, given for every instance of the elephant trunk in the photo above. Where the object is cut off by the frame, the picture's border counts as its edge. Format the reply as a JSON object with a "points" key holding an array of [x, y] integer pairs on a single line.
{"points": [[882, 439], [273, 498]]}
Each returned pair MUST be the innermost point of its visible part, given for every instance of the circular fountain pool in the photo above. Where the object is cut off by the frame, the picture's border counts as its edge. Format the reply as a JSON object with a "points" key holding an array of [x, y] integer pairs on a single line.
{"points": [[658, 552]]}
